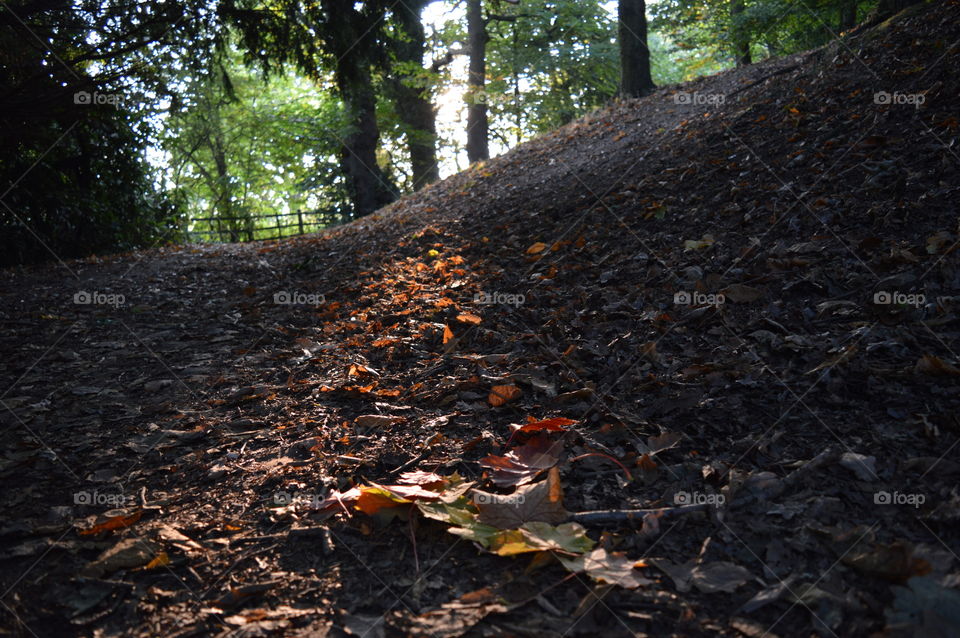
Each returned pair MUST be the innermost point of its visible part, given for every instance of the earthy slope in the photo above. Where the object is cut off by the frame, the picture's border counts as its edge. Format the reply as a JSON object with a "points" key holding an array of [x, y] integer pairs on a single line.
{"points": [[794, 409]]}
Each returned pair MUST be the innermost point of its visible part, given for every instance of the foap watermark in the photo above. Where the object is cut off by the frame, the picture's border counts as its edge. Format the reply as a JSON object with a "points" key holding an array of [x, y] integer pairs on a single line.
{"points": [[898, 498], [699, 99], [897, 298], [294, 298], [485, 97], [698, 498], [102, 499], [484, 498], [283, 499], [95, 298], [491, 298], [86, 97], [684, 298], [885, 98]]}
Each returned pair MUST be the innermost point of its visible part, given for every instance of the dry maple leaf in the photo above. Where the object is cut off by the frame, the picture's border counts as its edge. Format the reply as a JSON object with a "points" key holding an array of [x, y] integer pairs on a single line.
{"points": [[541, 501], [501, 394], [523, 464]]}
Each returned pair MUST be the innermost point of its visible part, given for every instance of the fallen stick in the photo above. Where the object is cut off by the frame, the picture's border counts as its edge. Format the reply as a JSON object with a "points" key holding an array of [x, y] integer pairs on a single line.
{"points": [[599, 517]]}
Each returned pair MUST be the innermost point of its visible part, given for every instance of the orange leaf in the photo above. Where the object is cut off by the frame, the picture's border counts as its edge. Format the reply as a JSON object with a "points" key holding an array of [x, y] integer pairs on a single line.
{"points": [[469, 318], [501, 394], [115, 522], [161, 560], [447, 334], [556, 424], [536, 248]]}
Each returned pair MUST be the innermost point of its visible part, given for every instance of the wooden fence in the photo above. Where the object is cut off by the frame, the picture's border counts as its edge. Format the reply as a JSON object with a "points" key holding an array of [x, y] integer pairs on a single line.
{"points": [[248, 229]]}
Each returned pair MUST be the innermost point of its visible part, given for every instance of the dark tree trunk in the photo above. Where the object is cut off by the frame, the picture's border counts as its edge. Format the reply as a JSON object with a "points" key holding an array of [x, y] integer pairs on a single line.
{"points": [[741, 41], [848, 15], [368, 186], [635, 79], [477, 125], [413, 102]]}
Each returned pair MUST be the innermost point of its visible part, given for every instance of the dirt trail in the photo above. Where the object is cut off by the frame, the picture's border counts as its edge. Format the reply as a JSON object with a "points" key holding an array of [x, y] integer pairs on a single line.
{"points": [[691, 278]]}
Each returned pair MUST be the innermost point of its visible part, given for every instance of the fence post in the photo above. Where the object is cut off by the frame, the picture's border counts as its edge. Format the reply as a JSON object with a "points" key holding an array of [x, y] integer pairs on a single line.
{"points": [[300, 220]]}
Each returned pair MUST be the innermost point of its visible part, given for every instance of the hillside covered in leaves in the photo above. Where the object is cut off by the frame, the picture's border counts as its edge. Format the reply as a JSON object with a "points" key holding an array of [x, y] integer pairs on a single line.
{"points": [[687, 366]]}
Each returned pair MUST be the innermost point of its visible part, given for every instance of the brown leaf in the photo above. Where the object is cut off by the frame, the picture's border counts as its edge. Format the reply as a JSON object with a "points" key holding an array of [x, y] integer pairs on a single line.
{"points": [[894, 562], [541, 501], [739, 293], [614, 569], [523, 464], [502, 394], [935, 366], [447, 335]]}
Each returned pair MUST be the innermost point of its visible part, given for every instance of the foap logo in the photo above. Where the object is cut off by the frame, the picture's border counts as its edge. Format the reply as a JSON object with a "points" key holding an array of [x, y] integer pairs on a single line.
{"points": [[86, 97], [110, 499], [897, 298], [699, 99], [484, 498], [897, 498], [484, 97], [283, 499], [698, 498], [684, 298], [95, 298], [294, 298], [491, 298], [885, 98]]}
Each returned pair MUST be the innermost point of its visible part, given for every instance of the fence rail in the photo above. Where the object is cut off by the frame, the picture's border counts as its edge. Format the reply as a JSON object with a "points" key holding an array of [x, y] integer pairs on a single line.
{"points": [[249, 230]]}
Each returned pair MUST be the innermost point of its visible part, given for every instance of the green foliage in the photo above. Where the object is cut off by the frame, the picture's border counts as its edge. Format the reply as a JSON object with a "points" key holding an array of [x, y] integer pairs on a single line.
{"points": [[549, 63], [241, 145], [709, 31]]}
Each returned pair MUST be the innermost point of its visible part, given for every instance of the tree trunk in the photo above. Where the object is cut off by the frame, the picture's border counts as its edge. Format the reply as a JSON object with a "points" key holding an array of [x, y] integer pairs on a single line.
{"points": [[412, 101], [848, 15], [635, 79], [741, 41], [368, 186], [477, 125]]}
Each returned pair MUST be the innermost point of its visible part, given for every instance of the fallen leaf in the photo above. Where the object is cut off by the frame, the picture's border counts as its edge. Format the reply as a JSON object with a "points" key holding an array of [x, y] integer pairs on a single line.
{"points": [[739, 293], [894, 562], [541, 501], [447, 335], [128, 553], [112, 523], [935, 366], [523, 464], [161, 560], [924, 608], [614, 569], [472, 319], [502, 394], [536, 248], [692, 244], [556, 424]]}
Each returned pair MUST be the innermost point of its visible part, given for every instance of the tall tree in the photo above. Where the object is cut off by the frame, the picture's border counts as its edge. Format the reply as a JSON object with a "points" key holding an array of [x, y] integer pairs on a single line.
{"points": [[738, 33], [478, 148], [635, 79], [346, 37], [408, 85]]}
